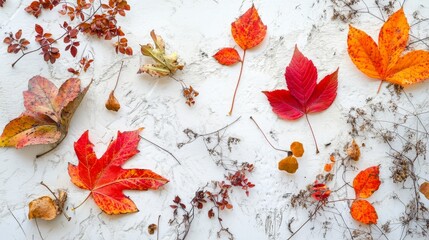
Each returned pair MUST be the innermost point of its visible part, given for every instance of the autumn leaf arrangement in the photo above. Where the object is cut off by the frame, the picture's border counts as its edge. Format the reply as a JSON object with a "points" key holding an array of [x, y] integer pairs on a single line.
{"points": [[49, 111]]}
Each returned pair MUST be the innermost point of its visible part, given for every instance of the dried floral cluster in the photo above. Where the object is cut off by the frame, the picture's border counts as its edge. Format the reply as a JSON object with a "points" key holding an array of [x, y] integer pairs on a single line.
{"points": [[347, 10], [215, 194]]}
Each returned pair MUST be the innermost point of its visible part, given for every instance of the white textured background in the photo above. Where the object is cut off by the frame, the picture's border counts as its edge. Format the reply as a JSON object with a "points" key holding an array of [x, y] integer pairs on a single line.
{"points": [[195, 29]]}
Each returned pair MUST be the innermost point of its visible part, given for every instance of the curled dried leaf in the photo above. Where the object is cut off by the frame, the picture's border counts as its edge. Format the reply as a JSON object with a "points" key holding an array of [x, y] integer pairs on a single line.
{"points": [[44, 208], [424, 189], [332, 158], [47, 208], [112, 103], [297, 149], [152, 228], [288, 164], [353, 151], [165, 64]]}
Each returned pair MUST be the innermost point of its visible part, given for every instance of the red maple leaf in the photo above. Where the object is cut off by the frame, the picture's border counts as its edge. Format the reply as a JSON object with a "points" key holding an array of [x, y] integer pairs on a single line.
{"points": [[304, 95], [105, 177]]}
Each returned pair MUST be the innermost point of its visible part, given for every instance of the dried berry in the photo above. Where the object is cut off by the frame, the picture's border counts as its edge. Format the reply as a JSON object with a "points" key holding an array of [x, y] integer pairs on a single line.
{"points": [[353, 151]]}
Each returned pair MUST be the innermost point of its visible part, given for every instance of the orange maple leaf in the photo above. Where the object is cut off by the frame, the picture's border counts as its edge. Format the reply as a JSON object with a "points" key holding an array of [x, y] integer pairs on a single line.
{"points": [[248, 31], [105, 177], [385, 61]]}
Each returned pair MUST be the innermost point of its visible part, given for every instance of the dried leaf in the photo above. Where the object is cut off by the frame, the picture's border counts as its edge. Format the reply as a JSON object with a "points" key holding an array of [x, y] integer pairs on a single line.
{"points": [[384, 61], [353, 151], [320, 192], [105, 177], [297, 149], [47, 208], [152, 228], [367, 182], [227, 56], [328, 167], [112, 103], [364, 212], [49, 111], [288, 164], [248, 30], [43, 207], [165, 64], [424, 189]]}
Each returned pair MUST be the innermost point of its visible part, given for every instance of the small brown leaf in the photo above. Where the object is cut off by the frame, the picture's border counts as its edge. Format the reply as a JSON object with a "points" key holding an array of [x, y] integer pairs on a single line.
{"points": [[112, 103], [288, 164], [44, 208], [152, 228], [353, 151], [424, 189]]}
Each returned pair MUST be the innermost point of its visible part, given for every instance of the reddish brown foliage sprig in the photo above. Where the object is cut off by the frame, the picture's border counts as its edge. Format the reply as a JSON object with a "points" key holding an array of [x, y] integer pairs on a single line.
{"points": [[84, 64], [98, 21], [116, 7], [76, 11], [71, 39], [45, 40], [35, 8], [16, 43], [122, 46], [2, 2]]}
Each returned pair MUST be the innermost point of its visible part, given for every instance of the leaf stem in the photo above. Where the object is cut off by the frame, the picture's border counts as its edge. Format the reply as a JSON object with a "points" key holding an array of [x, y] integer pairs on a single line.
{"points": [[238, 83], [379, 86], [73, 209], [278, 149], [165, 150], [119, 74], [157, 231], [16, 219], [312, 133], [38, 229], [319, 205], [55, 146], [222, 128]]}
